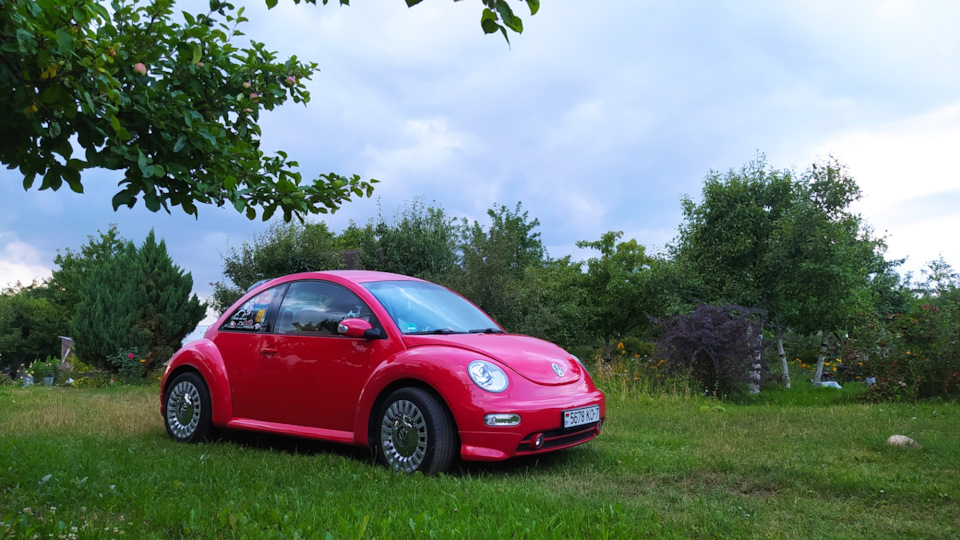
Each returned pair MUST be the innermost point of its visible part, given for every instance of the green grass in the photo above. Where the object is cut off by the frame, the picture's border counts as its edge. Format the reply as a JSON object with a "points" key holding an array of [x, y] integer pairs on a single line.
{"points": [[804, 463]]}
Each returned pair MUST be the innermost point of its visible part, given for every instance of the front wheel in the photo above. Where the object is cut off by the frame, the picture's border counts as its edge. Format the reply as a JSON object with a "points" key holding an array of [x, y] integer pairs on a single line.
{"points": [[415, 433], [186, 408]]}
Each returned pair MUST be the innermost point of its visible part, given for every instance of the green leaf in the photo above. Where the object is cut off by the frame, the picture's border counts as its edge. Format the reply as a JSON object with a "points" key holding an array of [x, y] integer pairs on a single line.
{"points": [[28, 180], [51, 94], [509, 19], [271, 4], [411, 3], [488, 21], [124, 198], [72, 176], [196, 52], [181, 142], [534, 6]]}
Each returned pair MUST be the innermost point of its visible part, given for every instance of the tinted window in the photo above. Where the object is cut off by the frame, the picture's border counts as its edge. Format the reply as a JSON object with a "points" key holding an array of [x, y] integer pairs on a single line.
{"points": [[255, 314], [317, 307]]}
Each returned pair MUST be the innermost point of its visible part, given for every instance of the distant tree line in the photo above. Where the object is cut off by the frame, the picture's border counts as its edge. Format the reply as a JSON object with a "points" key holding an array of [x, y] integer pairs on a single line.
{"points": [[771, 250]]}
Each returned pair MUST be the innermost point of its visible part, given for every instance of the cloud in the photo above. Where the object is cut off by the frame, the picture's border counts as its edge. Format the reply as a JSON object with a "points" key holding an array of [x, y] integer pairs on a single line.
{"points": [[909, 172], [20, 262]]}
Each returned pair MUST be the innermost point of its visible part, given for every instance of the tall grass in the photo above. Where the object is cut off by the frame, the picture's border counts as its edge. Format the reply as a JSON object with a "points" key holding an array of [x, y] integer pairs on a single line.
{"points": [[802, 463]]}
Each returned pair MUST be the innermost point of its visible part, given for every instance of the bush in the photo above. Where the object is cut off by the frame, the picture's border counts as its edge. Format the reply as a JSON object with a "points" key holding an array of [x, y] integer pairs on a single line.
{"points": [[130, 363], [43, 368], [714, 345]]}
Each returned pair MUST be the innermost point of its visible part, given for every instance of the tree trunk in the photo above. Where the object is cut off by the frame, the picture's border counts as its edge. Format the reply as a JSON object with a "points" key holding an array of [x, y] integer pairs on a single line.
{"points": [[783, 357], [755, 366], [824, 335]]}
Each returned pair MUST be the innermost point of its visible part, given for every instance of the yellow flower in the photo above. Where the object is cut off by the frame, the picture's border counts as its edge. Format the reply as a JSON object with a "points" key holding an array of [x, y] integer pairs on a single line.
{"points": [[834, 369]]}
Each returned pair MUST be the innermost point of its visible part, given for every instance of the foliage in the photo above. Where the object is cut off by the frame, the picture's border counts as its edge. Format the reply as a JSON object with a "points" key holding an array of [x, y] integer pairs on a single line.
{"points": [[554, 304], [174, 105], [283, 249], [493, 262], [136, 299], [76, 267], [43, 368], [714, 346], [29, 323], [916, 354], [617, 289], [171, 311], [421, 242], [131, 364]]}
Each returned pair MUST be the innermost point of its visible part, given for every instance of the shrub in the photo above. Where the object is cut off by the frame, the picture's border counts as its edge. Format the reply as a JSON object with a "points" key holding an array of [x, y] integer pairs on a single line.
{"points": [[130, 363], [43, 368], [714, 345]]}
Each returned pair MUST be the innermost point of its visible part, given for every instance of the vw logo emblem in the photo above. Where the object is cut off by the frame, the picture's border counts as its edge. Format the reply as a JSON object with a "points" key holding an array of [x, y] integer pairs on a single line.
{"points": [[557, 369]]}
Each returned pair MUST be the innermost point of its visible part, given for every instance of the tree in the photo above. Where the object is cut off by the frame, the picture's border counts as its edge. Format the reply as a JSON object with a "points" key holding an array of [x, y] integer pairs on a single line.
{"points": [[825, 257], [29, 325], [726, 240], [792, 247], [553, 303], [175, 106], [616, 289], [171, 310], [112, 300], [76, 267], [421, 242], [283, 249], [136, 300], [493, 261]]}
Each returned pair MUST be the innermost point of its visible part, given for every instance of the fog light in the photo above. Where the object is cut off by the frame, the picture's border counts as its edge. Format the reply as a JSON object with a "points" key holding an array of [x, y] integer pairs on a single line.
{"points": [[502, 419], [599, 424], [538, 440]]}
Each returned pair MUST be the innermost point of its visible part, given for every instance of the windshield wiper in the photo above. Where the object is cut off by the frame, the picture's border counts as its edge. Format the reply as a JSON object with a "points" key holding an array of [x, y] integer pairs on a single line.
{"points": [[437, 331], [487, 331]]}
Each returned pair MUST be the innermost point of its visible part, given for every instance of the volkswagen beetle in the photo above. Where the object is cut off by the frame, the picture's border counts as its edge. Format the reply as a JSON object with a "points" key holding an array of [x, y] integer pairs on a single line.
{"points": [[389, 362]]}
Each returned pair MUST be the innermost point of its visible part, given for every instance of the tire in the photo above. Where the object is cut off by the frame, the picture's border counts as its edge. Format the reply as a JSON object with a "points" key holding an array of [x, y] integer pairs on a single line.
{"points": [[415, 433], [186, 409]]}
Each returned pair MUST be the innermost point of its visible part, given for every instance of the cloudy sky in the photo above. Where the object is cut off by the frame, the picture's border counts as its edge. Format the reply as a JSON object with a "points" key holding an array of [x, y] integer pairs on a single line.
{"points": [[599, 117]]}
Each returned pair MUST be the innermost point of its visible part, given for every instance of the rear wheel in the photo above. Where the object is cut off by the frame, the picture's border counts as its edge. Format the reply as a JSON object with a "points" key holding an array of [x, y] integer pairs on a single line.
{"points": [[186, 408], [415, 433]]}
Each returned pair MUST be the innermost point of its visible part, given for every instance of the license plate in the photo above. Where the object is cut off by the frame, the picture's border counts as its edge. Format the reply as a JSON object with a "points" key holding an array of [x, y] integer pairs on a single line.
{"points": [[583, 415]]}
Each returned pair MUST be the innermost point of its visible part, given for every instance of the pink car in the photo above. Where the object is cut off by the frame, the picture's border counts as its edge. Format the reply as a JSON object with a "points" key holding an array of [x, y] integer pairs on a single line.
{"points": [[381, 361]]}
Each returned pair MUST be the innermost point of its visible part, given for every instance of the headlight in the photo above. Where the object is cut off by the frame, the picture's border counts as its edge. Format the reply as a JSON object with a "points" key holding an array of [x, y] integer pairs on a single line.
{"points": [[488, 376]]}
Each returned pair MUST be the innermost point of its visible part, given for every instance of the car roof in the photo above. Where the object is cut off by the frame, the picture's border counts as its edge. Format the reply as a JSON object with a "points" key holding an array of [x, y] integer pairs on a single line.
{"points": [[356, 276]]}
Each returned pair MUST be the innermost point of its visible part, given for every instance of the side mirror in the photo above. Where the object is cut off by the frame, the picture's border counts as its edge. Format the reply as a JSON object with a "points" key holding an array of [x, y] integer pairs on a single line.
{"points": [[357, 328]]}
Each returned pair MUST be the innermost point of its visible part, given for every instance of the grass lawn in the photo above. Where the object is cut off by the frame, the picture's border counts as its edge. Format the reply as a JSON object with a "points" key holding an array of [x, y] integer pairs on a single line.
{"points": [[803, 463]]}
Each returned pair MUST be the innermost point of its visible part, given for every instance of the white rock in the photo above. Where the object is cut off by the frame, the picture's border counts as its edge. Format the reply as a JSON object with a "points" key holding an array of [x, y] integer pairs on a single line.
{"points": [[902, 441]]}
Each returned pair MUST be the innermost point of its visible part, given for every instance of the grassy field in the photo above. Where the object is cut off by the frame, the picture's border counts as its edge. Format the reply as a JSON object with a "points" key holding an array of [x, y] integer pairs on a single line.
{"points": [[804, 463]]}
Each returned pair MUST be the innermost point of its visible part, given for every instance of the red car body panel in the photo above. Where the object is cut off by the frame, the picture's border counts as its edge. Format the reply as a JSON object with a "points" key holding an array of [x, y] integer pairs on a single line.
{"points": [[329, 386]]}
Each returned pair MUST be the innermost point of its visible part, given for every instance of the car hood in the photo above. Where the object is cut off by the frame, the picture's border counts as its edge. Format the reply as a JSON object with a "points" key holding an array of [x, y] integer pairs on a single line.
{"points": [[532, 358]]}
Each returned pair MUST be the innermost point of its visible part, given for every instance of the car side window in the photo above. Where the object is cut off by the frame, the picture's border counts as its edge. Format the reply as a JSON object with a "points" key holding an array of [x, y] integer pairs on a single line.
{"points": [[256, 314], [317, 307]]}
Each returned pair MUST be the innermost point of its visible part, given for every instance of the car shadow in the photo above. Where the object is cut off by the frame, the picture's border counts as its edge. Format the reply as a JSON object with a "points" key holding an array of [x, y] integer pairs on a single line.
{"points": [[518, 466]]}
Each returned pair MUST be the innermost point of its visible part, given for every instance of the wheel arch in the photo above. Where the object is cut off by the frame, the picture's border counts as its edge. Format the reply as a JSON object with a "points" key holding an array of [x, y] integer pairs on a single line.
{"points": [[203, 358], [373, 425]]}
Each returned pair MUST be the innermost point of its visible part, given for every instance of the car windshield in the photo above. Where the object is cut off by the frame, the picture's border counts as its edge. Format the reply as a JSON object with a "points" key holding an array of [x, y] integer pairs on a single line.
{"points": [[419, 307]]}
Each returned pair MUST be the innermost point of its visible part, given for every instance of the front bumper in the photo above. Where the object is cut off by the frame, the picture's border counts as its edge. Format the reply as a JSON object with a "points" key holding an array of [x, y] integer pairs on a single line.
{"points": [[539, 417]]}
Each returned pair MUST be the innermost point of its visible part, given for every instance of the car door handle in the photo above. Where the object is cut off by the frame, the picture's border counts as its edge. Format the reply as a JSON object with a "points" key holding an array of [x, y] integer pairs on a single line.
{"points": [[269, 351]]}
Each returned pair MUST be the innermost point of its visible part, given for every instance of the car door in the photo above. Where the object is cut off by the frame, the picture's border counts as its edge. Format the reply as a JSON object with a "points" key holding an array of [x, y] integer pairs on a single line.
{"points": [[312, 375], [240, 342]]}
